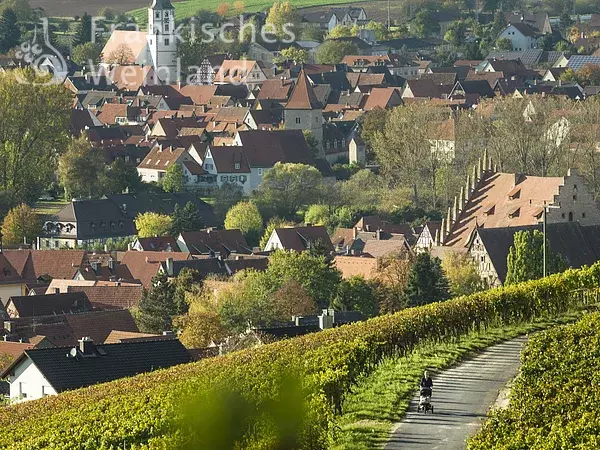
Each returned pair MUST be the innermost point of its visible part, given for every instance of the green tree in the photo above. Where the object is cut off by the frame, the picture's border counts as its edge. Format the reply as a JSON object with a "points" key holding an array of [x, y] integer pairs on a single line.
{"points": [[274, 222], [245, 216], [562, 46], [293, 54], [281, 19], [318, 214], [225, 196], [358, 294], [173, 179], [35, 120], [426, 281], [504, 44], [340, 31], [20, 7], [286, 187], [107, 12], [312, 33], [81, 170], [525, 259], [424, 24], [185, 219], [186, 281], [152, 224], [372, 122], [87, 54], [20, 224], [312, 142], [121, 176], [10, 33], [461, 271], [332, 51], [83, 31], [157, 306]]}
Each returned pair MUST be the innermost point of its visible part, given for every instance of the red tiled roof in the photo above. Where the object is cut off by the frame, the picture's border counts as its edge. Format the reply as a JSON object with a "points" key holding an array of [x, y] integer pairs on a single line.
{"points": [[144, 265], [226, 157], [111, 297], [275, 89], [33, 264]]}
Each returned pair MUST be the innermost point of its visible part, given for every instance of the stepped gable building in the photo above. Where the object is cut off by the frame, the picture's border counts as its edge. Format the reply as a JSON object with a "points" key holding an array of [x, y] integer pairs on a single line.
{"points": [[492, 199]]}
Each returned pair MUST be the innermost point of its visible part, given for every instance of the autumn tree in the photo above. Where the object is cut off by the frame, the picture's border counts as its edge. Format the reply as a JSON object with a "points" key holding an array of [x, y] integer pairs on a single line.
{"points": [[340, 31], [87, 54], [81, 170], [222, 9], [246, 217], [293, 54], [392, 274], [122, 55], [21, 224], [239, 6], [291, 299], [152, 224], [282, 19], [461, 271]]}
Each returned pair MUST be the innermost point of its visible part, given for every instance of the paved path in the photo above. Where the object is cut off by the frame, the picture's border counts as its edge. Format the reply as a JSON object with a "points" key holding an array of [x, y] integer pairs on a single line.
{"points": [[461, 398]]}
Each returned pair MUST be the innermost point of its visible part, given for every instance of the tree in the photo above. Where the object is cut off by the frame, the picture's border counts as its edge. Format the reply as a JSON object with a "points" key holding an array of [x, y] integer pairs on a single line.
{"points": [[504, 44], [562, 46], [461, 271], [222, 9], [199, 329], [21, 224], [83, 31], [107, 12], [288, 186], [185, 219], [357, 294], [392, 274], [173, 179], [293, 54], [372, 122], [332, 51], [121, 177], [238, 7], [274, 222], [312, 33], [20, 7], [35, 117], [281, 19], [291, 299], [10, 33], [157, 307], [87, 54], [225, 196], [81, 170], [426, 281], [318, 214], [185, 282], [245, 216], [363, 191], [151, 224], [525, 259], [424, 24], [340, 31], [122, 55], [588, 75], [312, 142]]}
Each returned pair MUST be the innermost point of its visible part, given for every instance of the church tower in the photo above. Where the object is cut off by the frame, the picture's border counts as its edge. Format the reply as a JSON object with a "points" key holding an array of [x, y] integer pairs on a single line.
{"points": [[162, 44], [303, 111]]}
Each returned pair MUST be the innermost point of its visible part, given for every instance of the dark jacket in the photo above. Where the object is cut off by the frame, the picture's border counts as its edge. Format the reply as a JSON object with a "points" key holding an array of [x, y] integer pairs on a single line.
{"points": [[427, 382]]}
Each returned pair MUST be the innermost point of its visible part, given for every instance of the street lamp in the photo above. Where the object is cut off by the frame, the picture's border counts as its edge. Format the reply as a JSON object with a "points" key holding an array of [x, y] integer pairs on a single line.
{"points": [[545, 207]]}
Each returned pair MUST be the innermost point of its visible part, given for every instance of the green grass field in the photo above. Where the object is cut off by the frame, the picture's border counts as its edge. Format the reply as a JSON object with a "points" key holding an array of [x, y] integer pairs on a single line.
{"points": [[189, 8]]}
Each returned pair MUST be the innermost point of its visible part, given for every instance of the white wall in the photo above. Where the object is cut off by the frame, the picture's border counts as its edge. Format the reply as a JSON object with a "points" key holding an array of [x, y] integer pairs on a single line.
{"points": [[519, 41], [10, 290], [27, 379]]}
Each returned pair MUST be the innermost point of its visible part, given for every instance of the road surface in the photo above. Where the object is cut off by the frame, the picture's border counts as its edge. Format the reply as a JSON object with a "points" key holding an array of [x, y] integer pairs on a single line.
{"points": [[461, 398]]}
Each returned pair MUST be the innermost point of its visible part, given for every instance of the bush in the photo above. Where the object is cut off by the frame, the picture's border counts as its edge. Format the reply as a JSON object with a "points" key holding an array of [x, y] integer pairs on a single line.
{"points": [[145, 410], [554, 402]]}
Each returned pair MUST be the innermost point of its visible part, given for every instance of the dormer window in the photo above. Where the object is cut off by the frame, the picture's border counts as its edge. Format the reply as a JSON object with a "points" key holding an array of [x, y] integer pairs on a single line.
{"points": [[515, 193], [514, 213], [237, 166], [490, 211], [157, 15]]}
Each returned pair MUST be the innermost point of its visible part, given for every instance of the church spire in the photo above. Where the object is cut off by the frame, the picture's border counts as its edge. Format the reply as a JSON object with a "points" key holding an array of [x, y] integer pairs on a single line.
{"points": [[303, 96]]}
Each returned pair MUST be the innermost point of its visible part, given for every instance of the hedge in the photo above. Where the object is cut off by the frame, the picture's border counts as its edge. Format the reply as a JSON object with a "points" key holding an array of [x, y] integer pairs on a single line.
{"points": [[150, 410], [555, 401]]}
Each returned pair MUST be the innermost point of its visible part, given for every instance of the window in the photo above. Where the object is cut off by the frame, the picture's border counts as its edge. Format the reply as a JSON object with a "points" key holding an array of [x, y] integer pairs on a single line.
{"points": [[563, 215], [297, 120], [166, 27], [209, 166], [157, 15], [166, 41], [237, 166], [583, 215], [22, 392], [574, 196], [150, 40], [260, 171], [570, 217]]}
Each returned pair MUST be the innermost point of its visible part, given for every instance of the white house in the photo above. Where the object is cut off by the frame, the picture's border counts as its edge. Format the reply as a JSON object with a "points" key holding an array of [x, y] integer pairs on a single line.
{"points": [[521, 36], [228, 164]]}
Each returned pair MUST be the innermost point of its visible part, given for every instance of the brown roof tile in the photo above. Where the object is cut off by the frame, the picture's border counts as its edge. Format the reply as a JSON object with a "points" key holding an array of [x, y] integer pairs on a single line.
{"points": [[111, 297], [144, 265], [303, 96]]}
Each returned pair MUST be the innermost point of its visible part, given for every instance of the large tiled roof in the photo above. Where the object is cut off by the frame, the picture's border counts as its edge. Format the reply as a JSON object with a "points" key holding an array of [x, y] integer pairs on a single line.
{"points": [[160, 158], [158, 244], [301, 238], [226, 157], [46, 305], [275, 89], [144, 265], [265, 148], [218, 241], [33, 264], [108, 362], [111, 297], [499, 202]]}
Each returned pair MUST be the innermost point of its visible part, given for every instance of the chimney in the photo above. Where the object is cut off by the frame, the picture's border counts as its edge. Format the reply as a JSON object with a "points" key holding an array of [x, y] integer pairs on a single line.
{"points": [[354, 232], [0, 241], [442, 233], [378, 234], [86, 345], [9, 326], [56, 290], [169, 264], [124, 207], [111, 264], [559, 82]]}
